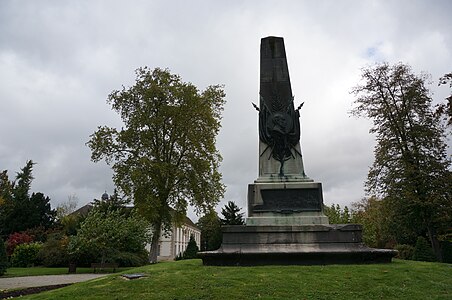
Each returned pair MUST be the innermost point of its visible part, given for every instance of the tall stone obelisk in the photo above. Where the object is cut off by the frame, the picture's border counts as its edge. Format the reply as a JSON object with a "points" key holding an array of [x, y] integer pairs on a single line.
{"points": [[282, 194], [280, 156]]}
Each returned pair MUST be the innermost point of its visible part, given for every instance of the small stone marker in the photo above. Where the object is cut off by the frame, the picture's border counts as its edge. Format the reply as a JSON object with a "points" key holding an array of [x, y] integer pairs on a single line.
{"points": [[133, 276]]}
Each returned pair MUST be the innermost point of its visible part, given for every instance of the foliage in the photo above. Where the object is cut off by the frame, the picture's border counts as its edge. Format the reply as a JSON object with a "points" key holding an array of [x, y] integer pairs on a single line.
{"points": [[411, 170], [404, 251], [18, 210], [189, 279], [211, 235], [336, 215], [66, 208], [53, 252], [129, 259], [192, 249], [444, 110], [16, 239], [165, 155], [106, 234], [422, 251], [373, 214], [231, 214], [26, 255], [114, 202], [3, 258]]}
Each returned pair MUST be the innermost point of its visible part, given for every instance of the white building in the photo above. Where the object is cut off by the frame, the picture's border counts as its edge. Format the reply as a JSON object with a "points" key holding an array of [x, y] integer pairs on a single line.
{"points": [[176, 241]]}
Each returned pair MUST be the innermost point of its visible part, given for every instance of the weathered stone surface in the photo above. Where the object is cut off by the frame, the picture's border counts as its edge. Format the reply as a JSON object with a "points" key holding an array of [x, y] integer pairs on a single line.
{"points": [[315, 244], [279, 124]]}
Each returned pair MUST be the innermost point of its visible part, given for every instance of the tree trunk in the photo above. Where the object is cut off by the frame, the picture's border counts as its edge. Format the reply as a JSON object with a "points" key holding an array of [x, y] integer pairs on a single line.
{"points": [[155, 243], [434, 242]]}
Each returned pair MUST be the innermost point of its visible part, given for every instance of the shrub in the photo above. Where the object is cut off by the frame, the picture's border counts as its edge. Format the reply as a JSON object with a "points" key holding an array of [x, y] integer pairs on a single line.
{"points": [[15, 239], [179, 256], [192, 249], [128, 259], [423, 251], [3, 258], [405, 251], [54, 252], [26, 255]]}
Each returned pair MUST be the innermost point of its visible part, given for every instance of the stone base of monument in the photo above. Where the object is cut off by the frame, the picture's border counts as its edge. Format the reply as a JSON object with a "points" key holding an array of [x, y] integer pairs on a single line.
{"points": [[294, 245]]}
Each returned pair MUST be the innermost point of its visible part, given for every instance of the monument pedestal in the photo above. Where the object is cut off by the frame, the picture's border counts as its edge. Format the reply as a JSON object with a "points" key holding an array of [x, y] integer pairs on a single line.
{"points": [[286, 226], [285, 203], [294, 245]]}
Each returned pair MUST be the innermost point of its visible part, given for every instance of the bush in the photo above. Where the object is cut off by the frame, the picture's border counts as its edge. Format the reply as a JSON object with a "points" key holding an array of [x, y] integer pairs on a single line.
{"points": [[26, 255], [446, 252], [15, 239], [423, 251], [405, 251], [128, 259], [3, 258], [192, 249], [54, 252]]}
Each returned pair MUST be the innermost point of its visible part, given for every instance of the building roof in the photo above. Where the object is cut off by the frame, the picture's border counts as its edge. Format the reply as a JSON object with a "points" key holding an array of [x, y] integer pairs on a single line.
{"points": [[85, 209]]}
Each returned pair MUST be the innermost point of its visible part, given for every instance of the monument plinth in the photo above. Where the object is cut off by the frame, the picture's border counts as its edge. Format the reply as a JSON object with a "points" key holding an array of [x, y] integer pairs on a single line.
{"points": [[286, 223]]}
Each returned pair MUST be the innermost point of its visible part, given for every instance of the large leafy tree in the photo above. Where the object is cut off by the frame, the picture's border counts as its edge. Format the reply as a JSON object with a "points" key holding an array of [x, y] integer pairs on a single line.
{"points": [[165, 155], [411, 170], [19, 210], [231, 214]]}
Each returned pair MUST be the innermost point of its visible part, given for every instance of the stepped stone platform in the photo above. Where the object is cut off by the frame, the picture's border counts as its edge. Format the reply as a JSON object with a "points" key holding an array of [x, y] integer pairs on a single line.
{"points": [[294, 245]]}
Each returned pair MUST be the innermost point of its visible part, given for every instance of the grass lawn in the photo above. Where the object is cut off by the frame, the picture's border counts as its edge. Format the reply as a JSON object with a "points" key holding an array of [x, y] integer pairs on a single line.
{"points": [[191, 280], [36, 271]]}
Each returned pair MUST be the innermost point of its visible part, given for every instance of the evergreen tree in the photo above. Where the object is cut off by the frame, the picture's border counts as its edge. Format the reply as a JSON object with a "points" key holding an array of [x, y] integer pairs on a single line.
{"points": [[18, 210], [422, 251], [192, 248], [231, 214], [211, 236], [3, 258]]}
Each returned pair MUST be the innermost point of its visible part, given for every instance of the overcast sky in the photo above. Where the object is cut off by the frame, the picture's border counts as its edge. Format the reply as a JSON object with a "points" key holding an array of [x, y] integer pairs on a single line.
{"points": [[60, 59]]}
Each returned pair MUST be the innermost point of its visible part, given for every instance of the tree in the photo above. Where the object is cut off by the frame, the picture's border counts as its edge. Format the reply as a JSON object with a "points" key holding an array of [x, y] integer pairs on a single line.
{"points": [[211, 235], [373, 214], [3, 258], [411, 170], [165, 155], [422, 251], [231, 214], [65, 208], [192, 248], [336, 215], [18, 210]]}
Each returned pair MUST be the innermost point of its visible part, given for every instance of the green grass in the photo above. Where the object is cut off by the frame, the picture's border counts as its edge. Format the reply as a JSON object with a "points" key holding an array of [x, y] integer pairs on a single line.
{"points": [[37, 271], [191, 280]]}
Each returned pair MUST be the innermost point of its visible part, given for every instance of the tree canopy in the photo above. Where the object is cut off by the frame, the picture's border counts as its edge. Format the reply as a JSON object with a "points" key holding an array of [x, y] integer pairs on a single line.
{"points": [[411, 170], [165, 155], [210, 225], [19, 210], [231, 214]]}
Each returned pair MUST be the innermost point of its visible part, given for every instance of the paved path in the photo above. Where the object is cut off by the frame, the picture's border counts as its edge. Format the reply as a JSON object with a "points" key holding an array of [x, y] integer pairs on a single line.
{"points": [[34, 281]]}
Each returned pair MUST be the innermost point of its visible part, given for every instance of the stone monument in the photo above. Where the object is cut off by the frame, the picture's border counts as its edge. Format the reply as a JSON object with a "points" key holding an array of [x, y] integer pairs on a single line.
{"points": [[285, 223]]}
